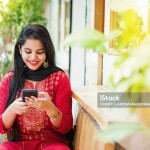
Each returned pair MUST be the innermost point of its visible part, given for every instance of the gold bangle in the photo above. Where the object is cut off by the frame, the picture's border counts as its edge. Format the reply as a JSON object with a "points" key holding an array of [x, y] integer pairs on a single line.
{"points": [[55, 116]]}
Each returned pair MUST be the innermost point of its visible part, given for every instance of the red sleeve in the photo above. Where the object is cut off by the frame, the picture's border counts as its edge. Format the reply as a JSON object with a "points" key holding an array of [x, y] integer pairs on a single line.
{"points": [[4, 89], [63, 102]]}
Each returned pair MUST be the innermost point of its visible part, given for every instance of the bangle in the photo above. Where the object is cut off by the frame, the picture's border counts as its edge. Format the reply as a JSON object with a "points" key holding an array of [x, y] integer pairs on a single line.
{"points": [[55, 116]]}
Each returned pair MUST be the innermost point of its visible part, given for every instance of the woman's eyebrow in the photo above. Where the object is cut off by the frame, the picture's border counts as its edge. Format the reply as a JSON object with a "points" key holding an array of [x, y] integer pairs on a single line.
{"points": [[31, 49], [40, 49], [27, 48]]}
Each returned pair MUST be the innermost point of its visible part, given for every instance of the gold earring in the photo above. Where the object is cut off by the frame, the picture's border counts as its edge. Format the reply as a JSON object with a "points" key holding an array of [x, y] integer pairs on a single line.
{"points": [[45, 64]]}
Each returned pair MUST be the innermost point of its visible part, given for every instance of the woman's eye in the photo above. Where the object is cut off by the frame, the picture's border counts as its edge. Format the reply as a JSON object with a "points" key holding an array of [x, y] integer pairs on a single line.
{"points": [[28, 52], [40, 52]]}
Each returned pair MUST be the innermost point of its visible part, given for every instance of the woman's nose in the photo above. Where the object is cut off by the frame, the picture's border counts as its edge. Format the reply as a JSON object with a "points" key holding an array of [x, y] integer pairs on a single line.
{"points": [[33, 56]]}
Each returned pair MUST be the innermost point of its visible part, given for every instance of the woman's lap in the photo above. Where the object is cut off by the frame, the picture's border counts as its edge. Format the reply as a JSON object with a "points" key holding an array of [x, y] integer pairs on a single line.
{"points": [[10, 146], [56, 146], [33, 145]]}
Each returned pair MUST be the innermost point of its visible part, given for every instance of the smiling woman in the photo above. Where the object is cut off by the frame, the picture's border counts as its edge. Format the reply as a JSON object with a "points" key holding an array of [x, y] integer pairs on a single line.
{"points": [[43, 121]]}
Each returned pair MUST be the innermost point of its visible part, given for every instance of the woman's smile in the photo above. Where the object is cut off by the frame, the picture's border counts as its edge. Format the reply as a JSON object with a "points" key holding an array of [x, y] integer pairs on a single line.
{"points": [[34, 63]]}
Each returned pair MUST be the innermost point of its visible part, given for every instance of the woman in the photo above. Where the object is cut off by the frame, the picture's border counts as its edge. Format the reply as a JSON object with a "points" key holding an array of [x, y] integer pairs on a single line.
{"points": [[38, 123]]}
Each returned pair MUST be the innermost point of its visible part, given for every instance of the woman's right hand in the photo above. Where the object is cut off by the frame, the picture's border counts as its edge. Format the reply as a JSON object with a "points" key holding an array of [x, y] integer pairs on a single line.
{"points": [[16, 108], [19, 107]]}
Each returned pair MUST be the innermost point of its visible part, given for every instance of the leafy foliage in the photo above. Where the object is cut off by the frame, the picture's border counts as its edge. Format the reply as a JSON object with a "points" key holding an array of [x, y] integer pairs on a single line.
{"points": [[130, 26], [4, 64], [132, 69], [18, 13], [131, 73], [88, 39]]}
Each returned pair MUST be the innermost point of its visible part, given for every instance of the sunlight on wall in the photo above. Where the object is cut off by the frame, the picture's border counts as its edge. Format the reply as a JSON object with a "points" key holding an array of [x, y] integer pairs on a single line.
{"points": [[141, 7]]}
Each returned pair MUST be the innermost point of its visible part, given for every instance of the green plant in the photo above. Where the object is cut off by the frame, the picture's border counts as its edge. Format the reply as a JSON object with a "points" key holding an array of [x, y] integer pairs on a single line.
{"points": [[89, 39], [133, 74], [130, 72], [18, 13], [129, 25]]}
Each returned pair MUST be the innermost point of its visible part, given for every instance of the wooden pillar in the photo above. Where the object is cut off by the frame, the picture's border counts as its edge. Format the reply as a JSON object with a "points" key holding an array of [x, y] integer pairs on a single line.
{"points": [[99, 25]]}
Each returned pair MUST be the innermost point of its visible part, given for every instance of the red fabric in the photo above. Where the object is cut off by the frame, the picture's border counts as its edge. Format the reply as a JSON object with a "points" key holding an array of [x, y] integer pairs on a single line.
{"points": [[33, 145], [35, 124], [4, 89]]}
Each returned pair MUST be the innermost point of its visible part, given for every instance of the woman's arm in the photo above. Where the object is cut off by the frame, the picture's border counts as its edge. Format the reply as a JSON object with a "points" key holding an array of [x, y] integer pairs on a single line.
{"points": [[4, 91], [8, 116], [54, 114], [63, 102]]}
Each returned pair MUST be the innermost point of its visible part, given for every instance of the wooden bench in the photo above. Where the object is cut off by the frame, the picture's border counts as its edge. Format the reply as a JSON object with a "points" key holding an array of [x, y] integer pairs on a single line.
{"points": [[91, 120], [87, 122]]}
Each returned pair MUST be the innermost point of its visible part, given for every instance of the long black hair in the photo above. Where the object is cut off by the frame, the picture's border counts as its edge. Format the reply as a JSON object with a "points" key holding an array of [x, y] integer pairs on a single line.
{"points": [[37, 32]]}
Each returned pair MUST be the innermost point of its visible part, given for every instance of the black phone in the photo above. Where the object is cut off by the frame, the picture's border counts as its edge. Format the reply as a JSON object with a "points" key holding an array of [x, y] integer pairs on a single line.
{"points": [[29, 93]]}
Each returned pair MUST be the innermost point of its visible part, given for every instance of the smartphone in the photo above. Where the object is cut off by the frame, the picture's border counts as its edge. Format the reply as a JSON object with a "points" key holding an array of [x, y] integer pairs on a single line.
{"points": [[29, 93]]}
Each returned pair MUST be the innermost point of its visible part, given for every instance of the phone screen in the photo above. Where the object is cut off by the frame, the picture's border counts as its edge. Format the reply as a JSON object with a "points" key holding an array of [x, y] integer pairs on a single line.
{"points": [[29, 93]]}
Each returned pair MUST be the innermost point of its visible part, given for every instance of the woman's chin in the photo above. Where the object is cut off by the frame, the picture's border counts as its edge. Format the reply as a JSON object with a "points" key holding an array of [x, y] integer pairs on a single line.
{"points": [[33, 68]]}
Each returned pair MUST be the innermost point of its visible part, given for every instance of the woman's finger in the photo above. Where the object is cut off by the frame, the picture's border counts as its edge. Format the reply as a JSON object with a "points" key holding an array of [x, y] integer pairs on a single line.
{"points": [[19, 99], [29, 99], [43, 94], [34, 98]]}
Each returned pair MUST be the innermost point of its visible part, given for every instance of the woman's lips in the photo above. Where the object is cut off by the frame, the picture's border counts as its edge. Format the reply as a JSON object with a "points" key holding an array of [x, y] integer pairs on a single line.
{"points": [[33, 63]]}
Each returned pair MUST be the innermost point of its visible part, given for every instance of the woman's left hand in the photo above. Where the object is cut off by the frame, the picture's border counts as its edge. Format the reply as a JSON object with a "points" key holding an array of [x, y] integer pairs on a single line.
{"points": [[43, 102]]}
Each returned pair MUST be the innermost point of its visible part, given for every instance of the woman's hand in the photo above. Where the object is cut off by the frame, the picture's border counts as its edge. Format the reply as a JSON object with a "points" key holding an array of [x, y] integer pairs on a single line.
{"points": [[19, 107], [43, 102]]}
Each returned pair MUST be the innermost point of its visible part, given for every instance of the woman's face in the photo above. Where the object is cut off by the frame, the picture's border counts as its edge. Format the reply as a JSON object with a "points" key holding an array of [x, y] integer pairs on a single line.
{"points": [[33, 53]]}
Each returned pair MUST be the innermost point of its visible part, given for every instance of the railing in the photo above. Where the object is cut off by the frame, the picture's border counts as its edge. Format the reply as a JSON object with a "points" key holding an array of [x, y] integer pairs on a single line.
{"points": [[88, 121]]}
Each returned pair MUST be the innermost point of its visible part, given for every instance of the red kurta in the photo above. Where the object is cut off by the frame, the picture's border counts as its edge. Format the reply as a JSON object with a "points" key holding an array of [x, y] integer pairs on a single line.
{"points": [[35, 125]]}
